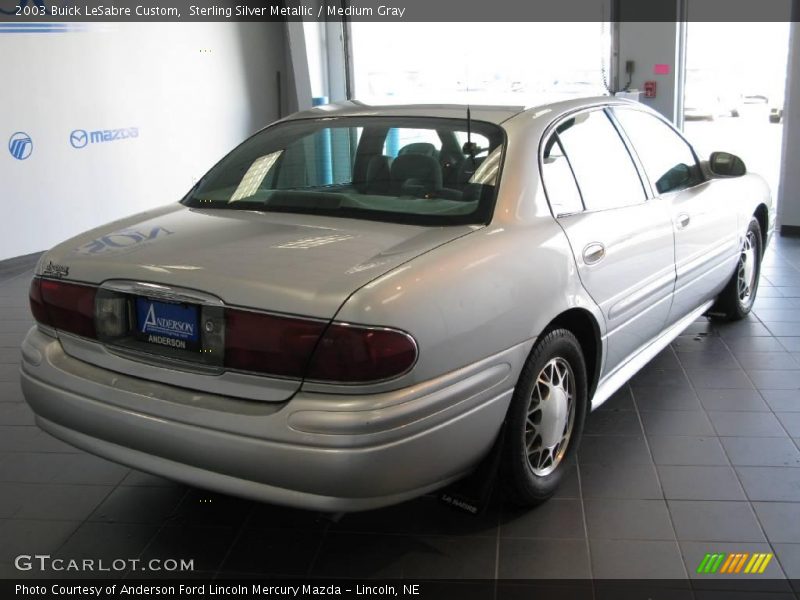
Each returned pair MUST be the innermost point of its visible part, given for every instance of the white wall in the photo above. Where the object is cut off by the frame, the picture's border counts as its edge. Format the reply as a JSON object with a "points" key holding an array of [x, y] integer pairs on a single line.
{"points": [[648, 45], [193, 90]]}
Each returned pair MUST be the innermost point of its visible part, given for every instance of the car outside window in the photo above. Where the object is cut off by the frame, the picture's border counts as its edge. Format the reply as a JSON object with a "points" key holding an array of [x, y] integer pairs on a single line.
{"points": [[351, 167], [559, 182], [667, 159], [604, 170]]}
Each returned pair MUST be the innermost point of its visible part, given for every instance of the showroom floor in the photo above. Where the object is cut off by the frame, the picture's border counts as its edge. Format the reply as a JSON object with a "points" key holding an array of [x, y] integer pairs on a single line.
{"points": [[698, 454]]}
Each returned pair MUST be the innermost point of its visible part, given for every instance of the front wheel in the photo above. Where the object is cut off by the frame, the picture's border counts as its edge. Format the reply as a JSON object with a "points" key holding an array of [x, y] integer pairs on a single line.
{"points": [[545, 418], [736, 301]]}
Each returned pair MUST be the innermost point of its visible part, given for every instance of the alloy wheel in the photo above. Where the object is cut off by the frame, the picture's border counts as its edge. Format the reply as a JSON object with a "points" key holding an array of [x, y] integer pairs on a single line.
{"points": [[746, 278], [551, 416]]}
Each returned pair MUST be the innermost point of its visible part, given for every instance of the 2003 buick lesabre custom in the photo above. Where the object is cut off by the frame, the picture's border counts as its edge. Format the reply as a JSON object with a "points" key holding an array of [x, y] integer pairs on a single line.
{"points": [[346, 310]]}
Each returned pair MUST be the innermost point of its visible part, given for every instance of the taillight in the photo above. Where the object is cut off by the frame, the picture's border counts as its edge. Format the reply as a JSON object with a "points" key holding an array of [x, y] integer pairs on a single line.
{"points": [[295, 347], [65, 306], [269, 343], [355, 354], [38, 309]]}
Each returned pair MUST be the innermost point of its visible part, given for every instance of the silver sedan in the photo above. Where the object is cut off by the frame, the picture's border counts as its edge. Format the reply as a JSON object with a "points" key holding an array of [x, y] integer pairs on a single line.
{"points": [[349, 309]]}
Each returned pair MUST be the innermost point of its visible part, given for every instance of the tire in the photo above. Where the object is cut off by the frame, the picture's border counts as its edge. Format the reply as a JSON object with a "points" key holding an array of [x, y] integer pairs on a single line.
{"points": [[532, 476], [736, 301]]}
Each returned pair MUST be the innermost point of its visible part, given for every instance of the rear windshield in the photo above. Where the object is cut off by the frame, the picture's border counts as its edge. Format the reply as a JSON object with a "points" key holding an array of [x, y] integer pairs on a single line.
{"points": [[420, 171]]}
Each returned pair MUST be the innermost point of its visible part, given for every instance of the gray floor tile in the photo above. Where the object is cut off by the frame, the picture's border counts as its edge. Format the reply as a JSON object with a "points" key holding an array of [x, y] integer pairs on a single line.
{"points": [[620, 481], [719, 379], [543, 559], [715, 521], [687, 450], [672, 378], [785, 328], [55, 502], [743, 329], [791, 343], [9, 372], [16, 413], [697, 343], [666, 398], [206, 546], [732, 399], [137, 505], [556, 518], [752, 424], [782, 400], [761, 452], [790, 422], [628, 559], [676, 422], [15, 438], [9, 356], [723, 360], [276, 553], [107, 540], [24, 536], [613, 422], [614, 450], [780, 520], [138, 478], [767, 361], [10, 391], [700, 483], [44, 467], [777, 484], [628, 519], [757, 344], [789, 557], [775, 380]]}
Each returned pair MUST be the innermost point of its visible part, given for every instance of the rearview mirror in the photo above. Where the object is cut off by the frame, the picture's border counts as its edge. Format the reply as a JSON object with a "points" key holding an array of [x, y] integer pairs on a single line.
{"points": [[726, 164]]}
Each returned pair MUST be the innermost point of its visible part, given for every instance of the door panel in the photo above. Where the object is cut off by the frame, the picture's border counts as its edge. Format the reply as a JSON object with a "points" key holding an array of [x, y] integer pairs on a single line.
{"points": [[632, 282], [706, 245]]}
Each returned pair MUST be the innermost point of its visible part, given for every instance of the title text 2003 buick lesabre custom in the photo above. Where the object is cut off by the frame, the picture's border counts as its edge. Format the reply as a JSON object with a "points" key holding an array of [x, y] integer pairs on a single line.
{"points": [[348, 308]]}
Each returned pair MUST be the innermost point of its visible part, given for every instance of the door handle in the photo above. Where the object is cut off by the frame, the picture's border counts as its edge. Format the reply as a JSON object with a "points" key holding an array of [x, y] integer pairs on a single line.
{"points": [[594, 253], [683, 220]]}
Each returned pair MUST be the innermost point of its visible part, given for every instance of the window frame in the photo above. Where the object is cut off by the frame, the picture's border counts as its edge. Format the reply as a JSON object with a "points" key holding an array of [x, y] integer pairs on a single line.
{"points": [[552, 129], [653, 192]]}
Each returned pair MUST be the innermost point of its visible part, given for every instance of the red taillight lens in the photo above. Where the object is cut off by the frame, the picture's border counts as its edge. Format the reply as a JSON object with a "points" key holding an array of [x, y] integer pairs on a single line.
{"points": [[269, 343], [353, 354], [65, 306], [38, 309]]}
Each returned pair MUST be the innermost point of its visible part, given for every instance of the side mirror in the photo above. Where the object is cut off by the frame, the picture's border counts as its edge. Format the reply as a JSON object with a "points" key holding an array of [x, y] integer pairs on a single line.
{"points": [[726, 164]]}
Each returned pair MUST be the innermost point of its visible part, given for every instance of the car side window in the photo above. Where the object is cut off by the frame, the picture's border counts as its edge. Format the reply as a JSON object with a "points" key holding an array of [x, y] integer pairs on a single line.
{"points": [[559, 182], [667, 159], [606, 175]]}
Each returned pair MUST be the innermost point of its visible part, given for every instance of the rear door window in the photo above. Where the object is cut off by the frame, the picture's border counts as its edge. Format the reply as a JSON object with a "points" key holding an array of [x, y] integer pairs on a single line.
{"points": [[605, 172]]}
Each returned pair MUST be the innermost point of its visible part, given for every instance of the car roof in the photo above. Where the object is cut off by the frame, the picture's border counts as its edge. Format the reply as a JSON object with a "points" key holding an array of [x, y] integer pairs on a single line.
{"points": [[353, 108], [492, 114]]}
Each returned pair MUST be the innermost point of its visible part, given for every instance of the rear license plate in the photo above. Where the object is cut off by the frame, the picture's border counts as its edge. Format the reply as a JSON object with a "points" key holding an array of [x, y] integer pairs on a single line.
{"points": [[166, 324]]}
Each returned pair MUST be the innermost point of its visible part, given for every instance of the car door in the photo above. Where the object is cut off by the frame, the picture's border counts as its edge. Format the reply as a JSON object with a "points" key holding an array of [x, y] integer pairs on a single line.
{"points": [[705, 220], [622, 242]]}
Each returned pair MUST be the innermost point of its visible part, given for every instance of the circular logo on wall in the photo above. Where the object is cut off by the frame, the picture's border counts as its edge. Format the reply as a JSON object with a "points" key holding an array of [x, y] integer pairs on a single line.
{"points": [[20, 145], [79, 138]]}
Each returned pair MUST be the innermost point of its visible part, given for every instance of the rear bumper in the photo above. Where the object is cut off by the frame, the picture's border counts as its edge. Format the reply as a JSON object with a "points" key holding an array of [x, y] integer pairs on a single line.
{"points": [[316, 451]]}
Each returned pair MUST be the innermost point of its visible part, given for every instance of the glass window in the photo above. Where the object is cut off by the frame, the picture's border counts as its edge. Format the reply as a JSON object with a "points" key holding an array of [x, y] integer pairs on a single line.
{"points": [[559, 182], [344, 167], [606, 175], [668, 160]]}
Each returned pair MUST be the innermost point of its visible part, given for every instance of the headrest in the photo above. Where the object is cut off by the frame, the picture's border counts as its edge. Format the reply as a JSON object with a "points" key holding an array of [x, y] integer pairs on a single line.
{"points": [[424, 148], [425, 170]]}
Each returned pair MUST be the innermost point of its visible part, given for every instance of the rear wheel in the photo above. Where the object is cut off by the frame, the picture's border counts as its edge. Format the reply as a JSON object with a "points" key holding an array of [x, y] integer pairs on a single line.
{"points": [[736, 301], [545, 418]]}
